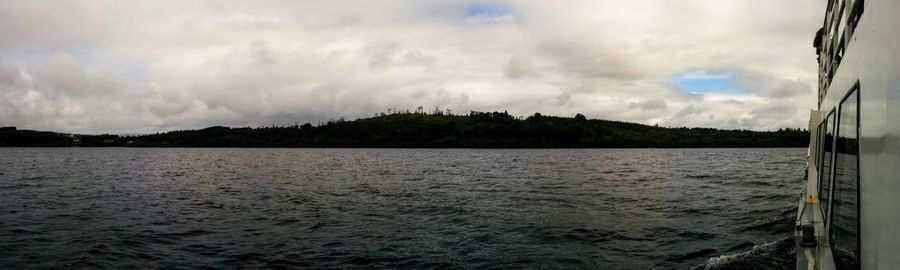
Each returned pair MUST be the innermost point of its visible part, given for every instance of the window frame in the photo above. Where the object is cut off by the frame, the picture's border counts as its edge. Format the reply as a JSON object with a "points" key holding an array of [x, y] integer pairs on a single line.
{"points": [[829, 219], [826, 208], [841, 19], [819, 134]]}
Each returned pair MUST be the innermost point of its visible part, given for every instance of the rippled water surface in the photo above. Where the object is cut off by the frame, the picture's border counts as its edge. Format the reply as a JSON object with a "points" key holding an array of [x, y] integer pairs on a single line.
{"points": [[398, 208]]}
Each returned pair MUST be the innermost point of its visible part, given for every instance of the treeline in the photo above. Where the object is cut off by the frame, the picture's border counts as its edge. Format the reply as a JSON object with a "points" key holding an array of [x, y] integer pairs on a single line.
{"points": [[438, 130], [9, 136]]}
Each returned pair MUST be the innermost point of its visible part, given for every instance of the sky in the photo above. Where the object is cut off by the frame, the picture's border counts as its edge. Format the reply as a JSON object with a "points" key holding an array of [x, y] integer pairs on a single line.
{"points": [[151, 66]]}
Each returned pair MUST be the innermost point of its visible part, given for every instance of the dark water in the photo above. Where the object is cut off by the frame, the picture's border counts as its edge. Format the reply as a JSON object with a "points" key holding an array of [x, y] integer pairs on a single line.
{"points": [[384, 208]]}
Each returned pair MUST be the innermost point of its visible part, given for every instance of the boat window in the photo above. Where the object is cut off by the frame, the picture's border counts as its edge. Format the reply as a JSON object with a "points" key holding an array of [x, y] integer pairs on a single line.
{"points": [[858, 7], [845, 201], [841, 20], [819, 135], [838, 21], [825, 165]]}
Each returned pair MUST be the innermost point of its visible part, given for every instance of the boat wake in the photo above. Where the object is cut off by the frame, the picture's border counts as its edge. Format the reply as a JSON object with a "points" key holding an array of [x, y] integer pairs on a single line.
{"points": [[773, 255]]}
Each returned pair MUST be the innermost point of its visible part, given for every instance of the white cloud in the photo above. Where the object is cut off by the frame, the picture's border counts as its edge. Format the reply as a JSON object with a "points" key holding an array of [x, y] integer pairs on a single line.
{"points": [[108, 66]]}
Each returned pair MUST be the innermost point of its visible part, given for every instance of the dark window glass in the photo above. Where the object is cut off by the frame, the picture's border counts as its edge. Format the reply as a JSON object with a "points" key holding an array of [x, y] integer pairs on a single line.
{"points": [[819, 135], [845, 202], [825, 172]]}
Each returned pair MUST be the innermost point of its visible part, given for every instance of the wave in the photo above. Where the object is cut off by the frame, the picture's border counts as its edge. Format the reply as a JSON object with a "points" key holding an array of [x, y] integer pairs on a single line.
{"points": [[773, 255]]}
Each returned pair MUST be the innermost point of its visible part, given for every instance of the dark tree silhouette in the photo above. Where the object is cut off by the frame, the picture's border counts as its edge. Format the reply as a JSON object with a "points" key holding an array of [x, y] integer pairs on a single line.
{"points": [[439, 129]]}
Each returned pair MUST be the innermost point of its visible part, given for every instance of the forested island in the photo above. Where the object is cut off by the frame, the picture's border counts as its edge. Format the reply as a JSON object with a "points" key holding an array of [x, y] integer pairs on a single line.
{"points": [[434, 130]]}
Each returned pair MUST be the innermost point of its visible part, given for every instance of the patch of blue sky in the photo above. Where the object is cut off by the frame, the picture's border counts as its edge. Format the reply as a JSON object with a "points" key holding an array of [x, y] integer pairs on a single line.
{"points": [[487, 10], [33, 56], [707, 82], [27, 56], [85, 57]]}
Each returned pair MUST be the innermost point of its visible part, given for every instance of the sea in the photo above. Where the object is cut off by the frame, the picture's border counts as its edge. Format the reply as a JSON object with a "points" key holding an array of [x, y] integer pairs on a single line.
{"points": [[238, 208]]}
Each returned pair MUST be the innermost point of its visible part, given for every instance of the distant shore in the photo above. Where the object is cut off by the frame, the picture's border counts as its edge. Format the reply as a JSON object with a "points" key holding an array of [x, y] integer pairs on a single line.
{"points": [[436, 130]]}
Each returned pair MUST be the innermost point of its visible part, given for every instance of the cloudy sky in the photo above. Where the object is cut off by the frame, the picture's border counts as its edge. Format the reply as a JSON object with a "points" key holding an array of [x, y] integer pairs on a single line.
{"points": [[147, 66]]}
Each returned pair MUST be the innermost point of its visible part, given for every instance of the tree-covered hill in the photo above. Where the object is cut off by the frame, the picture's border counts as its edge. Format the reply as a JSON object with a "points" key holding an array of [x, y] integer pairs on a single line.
{"points": [[477, 129]]}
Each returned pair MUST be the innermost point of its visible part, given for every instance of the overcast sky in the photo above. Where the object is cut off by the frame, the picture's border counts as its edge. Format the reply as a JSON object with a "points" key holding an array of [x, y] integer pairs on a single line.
{"points": [[147, 66]]}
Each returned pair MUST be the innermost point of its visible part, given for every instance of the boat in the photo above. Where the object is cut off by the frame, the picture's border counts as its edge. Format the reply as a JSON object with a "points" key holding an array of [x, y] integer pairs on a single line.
{"points": [[848, 215]]}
